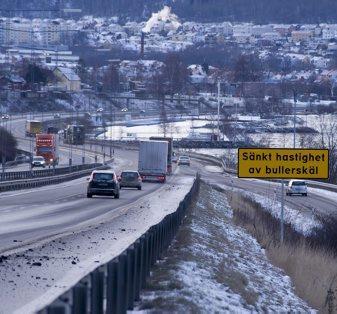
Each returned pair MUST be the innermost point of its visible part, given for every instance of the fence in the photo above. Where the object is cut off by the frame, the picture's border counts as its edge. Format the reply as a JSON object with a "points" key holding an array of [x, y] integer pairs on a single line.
{"points": [[177, 143], [20, 175], [115, 286], [36, 182]]}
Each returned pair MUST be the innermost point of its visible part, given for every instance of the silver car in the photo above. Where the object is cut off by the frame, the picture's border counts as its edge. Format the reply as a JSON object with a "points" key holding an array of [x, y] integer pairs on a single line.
{"points": [[297, 187], [130, 179], [184, 160]]}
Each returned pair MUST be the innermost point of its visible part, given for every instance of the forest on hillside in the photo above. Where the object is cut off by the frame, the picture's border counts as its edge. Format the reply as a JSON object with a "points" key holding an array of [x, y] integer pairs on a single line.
{"points": [[258, 11]]}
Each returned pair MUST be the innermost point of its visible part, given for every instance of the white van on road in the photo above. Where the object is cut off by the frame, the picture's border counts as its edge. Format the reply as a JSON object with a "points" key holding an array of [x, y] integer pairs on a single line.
{"points": [[297, 187]]}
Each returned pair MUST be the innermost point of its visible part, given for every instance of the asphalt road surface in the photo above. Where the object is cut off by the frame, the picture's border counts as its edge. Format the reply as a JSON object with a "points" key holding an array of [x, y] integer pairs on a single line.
{"points": [[316, 201], [30, 215], [17, 127]]}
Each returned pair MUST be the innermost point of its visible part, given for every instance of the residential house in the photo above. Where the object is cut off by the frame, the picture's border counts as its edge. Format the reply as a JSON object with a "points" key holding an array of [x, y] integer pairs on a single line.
{"points": [[69, 80], [13, 82], [298, 36]]}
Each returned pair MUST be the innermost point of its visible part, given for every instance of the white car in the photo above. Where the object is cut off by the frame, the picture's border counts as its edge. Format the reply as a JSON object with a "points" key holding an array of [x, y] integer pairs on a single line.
{"points": [[297, 187], [184, 160], [125, 110], [38, 161]]}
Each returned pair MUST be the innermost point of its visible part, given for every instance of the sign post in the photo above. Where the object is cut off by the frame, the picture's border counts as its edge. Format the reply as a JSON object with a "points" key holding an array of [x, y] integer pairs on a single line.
{"points": [[282, 211], [283, 163]]}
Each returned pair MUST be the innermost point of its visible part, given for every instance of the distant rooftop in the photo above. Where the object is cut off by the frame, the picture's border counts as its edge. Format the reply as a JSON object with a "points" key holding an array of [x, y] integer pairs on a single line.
{"points": [[69, 73]]}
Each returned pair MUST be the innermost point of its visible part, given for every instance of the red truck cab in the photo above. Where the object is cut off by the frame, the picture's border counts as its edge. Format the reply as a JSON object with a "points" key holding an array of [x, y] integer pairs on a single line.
{"points": [[47, 147]]}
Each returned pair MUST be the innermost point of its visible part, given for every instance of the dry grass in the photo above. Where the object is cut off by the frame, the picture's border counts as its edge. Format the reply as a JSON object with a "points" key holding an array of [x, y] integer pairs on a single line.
{"points": [[310, 262]]}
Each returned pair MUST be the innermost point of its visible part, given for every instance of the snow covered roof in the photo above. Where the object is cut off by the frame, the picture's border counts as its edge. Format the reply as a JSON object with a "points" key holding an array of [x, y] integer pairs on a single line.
{"points": [[69, 73]]}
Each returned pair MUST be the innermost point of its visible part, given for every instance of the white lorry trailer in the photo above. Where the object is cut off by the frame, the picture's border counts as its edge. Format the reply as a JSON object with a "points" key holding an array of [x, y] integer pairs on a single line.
{"points": [[152, 162]]}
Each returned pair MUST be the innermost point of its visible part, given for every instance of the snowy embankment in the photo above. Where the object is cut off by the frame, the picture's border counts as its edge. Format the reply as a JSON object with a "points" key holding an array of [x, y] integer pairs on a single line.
{"points": [[214, 266], [304, 222], [32, 279]]}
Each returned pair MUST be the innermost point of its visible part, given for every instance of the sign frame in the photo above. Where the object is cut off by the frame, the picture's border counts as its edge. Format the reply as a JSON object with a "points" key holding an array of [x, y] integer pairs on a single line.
{"points": [[286, 177]]}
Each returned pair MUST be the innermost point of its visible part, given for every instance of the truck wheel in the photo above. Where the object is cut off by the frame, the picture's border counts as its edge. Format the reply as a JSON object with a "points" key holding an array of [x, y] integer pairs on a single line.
{"points": [[89, 195]]}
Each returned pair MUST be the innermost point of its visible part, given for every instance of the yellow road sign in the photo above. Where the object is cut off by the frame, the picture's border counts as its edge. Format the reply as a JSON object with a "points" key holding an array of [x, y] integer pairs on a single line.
{"points": [[279, 163]]}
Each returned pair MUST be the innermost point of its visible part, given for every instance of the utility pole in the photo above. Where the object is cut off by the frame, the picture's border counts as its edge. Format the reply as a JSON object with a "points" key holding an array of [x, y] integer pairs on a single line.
{"points": [[219, 90], [282, 211], [295, 102]]}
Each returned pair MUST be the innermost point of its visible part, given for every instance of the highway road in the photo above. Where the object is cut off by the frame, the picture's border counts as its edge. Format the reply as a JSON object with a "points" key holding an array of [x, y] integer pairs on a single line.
{"points": [[316, 202], [31, 215], [17, 127]]}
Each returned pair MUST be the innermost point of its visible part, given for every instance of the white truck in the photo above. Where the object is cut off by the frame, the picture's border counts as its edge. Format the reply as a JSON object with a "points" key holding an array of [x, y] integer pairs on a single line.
{"points": [[152, 162]]}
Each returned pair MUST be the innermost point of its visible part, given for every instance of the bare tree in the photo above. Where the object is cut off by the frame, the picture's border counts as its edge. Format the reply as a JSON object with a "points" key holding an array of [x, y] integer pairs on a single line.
{"points": [[175, 73], [164, 123], [327, 139], [248, 68], [111, 79]]}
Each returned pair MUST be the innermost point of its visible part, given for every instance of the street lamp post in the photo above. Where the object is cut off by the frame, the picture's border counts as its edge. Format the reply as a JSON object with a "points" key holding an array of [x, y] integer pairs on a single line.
{"points": [[219, 89], [295, 102]]}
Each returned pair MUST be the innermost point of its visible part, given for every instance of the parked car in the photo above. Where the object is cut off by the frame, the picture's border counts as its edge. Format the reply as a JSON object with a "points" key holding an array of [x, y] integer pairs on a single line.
{"points": [[38, 161], [57, 116], [5, 117], [297, 187], [103, 182], [184, 160], [21, 159], [174, 158], [130, 179], [125, 110]]}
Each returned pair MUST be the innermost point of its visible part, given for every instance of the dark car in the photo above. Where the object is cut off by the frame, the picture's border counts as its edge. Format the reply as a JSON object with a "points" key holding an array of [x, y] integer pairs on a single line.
{"points": [[103, 182], [130, 179]]}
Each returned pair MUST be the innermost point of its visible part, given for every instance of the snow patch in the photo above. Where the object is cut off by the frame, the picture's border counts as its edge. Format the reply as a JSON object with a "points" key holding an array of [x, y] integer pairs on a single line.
{"points": [[303, 222], [216, 267]]}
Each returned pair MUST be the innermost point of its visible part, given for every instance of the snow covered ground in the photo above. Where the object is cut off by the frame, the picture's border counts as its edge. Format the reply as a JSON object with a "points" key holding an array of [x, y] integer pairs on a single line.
{"points": [[324, 193], [32, 279], [214, 266], [303, 222], [177, 130]]}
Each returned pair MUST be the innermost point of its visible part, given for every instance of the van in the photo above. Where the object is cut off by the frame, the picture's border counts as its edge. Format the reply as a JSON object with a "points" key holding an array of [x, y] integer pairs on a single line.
{"points": [[297, 187]]}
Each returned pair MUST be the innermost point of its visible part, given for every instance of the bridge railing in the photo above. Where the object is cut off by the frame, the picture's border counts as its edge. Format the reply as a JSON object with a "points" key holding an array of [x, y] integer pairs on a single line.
{"points": [[27, 174]]}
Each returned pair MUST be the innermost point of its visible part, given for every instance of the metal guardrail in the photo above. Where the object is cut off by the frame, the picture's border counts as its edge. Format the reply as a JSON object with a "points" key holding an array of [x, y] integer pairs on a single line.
{"points": [[115, 286], [20, 175], [177, 143], [32, 183]]}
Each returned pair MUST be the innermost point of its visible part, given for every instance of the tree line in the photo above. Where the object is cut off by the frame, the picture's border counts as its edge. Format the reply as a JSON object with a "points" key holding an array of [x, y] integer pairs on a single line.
{"points": [[257, 11]]}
